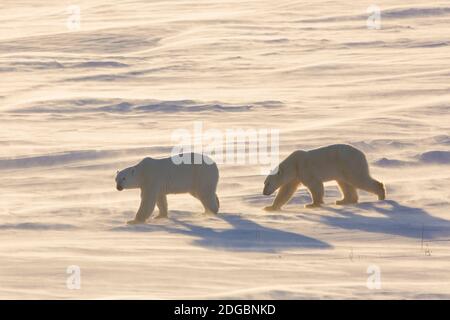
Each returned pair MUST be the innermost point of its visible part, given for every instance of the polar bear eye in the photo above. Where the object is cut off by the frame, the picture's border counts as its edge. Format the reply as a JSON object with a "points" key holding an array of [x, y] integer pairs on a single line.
{"points": [[132, 172]]}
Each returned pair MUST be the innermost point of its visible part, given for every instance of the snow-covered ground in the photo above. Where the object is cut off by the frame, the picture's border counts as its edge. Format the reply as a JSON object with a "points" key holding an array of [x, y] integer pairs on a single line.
{"points": [[76, 105]]}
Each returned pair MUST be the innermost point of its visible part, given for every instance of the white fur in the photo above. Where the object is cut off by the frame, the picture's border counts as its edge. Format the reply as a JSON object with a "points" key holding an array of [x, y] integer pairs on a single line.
{"points": [[159, 177], [343, 163]]}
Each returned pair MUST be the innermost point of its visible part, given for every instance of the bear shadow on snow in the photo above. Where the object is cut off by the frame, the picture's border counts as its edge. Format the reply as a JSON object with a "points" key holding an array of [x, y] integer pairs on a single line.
{"points": [[397, 220], [301, 197], [244, 235]]}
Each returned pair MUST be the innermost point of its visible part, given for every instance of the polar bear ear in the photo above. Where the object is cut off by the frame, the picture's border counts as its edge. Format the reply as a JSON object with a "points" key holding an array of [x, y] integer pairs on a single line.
{"points": [[275, 171], [279, 171]]}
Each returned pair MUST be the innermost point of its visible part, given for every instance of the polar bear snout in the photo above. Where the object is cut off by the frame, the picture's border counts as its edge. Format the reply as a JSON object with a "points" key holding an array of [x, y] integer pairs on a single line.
{"points": [[268, 190]]}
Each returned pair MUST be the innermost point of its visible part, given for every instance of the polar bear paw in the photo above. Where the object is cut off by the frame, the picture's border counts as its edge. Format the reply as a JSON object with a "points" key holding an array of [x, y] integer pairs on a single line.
{"points": [[271, 208], [345, 201], [313, 205], [133, 222]]}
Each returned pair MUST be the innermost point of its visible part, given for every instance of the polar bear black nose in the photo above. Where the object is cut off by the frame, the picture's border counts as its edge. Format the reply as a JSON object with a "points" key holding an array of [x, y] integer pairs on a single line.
{"points": [[119, 187]]}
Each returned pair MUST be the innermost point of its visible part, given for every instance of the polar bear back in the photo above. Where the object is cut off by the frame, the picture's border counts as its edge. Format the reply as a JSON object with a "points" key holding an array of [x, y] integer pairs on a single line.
{"points": [[335, 162], [181, 177]]}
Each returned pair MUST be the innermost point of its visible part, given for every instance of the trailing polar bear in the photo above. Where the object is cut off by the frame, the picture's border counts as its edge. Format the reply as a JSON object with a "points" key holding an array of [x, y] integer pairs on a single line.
{"points": [[185, 173], [343, 163]]}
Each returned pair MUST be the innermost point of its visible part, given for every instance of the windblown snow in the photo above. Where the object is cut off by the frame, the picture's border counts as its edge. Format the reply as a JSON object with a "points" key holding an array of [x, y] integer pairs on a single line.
{"points": [[78, 104]]}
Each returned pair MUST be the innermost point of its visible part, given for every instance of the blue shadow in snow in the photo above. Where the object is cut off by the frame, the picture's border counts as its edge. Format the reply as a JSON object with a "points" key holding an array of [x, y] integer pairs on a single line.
{"points": [[244, 235], [397, 219]]}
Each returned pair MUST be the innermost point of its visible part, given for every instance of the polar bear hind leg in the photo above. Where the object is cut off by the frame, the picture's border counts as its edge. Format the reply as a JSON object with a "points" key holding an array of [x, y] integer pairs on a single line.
{"points": [[210, 202], [370, 185], [162, 206], [358, 175], [350, 195]]}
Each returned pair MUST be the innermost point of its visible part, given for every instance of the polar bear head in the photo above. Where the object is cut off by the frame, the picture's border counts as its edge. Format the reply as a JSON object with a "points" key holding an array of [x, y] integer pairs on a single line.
{"points": [[128, 178], [278, 177], [284, 173]]}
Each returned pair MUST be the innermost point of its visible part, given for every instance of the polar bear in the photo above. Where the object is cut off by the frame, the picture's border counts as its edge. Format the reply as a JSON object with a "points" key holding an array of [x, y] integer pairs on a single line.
{"points": [[343, 163], [190, 173]]}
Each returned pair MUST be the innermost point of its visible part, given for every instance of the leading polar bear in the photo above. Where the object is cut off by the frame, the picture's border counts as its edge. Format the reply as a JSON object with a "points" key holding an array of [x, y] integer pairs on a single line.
{"points": [[185, 173], [343, 163]]}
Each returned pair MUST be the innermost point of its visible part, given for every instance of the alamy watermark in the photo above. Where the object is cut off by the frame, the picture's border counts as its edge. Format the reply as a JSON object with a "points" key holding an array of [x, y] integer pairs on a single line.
{"points": [[73, 22], [373, 22], [374, 279], [73, 281], [259, 147]]}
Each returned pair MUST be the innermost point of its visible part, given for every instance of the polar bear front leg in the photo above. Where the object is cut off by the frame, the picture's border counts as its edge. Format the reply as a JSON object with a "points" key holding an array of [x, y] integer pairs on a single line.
{"points": [[316, 190], [148, 201], [284, 195], [162, 206]]}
